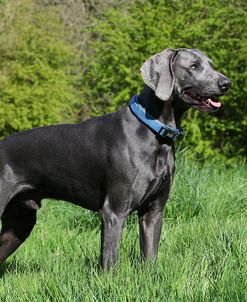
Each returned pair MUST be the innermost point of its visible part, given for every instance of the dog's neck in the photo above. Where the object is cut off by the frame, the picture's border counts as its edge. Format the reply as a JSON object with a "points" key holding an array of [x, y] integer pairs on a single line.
{"points": [[164, 111]]}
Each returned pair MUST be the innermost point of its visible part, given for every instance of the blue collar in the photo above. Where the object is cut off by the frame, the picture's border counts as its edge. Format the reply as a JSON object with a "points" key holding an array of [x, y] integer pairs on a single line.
{"points": [[155, 125]]}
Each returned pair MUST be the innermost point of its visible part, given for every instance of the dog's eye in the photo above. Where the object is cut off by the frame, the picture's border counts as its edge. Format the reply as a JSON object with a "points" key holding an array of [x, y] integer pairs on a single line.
{"points": [[193, 66]]}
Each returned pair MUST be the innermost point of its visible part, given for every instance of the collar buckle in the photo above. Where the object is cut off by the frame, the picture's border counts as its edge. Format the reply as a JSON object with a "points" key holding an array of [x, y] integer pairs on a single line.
{"points": [[162, 132], [174, 134], [166, 132]]}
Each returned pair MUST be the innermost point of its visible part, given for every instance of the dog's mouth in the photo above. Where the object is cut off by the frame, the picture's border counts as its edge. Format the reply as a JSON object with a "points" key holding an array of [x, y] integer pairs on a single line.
{"points": [[200, 102]]}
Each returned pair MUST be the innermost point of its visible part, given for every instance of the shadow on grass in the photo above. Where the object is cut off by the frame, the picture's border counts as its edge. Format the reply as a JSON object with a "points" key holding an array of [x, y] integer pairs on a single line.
{"points": [[16, 266]]}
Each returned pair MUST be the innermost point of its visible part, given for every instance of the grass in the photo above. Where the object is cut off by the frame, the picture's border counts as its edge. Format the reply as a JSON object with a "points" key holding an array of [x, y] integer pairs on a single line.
{"points": [[202, 254]]}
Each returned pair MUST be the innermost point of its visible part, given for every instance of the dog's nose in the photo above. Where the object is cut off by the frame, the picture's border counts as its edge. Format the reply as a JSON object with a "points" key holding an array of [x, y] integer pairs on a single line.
{"points": [[224, 84]]}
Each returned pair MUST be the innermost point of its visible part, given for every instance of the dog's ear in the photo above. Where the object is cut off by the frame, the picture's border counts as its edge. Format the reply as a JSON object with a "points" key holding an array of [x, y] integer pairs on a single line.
{"points": [[157, 73]]}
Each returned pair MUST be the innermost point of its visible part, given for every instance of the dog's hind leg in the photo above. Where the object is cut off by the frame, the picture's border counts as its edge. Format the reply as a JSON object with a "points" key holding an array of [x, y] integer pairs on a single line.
{"points": [[18, 220]]}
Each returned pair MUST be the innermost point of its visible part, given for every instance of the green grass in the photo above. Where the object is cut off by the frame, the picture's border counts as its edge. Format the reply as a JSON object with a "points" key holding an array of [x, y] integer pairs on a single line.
{"points": [[202, 254]]}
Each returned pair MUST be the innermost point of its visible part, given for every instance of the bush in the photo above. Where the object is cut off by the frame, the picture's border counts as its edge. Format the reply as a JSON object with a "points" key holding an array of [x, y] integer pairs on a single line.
{"points": [[36, 84], [124, 39]]}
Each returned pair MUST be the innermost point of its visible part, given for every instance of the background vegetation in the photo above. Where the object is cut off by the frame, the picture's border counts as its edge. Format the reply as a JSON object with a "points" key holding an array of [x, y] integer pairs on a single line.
{"points": [[67, 60]]}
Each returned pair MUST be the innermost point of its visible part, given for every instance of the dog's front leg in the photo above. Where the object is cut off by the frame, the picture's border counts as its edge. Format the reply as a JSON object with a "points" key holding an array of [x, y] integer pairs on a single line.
{"points": [[150, 222], [111, 232]]}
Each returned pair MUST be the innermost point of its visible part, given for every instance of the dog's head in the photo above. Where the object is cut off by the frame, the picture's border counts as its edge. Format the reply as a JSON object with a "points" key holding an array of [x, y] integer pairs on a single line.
{"points": [[187, 73]]}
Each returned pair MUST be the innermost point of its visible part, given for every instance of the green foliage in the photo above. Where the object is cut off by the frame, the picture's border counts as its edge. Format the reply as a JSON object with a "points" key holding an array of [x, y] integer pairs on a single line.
{"points": [[124, 39], [202, 253], [36, 84]]}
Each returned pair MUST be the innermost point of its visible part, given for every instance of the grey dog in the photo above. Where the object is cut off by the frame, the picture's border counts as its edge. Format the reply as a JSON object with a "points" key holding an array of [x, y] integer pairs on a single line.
{"points": [[114, 164]]}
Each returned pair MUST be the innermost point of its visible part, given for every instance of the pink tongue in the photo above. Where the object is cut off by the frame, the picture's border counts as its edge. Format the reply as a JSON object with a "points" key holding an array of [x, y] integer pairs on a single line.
{"points": [[214, 104]]}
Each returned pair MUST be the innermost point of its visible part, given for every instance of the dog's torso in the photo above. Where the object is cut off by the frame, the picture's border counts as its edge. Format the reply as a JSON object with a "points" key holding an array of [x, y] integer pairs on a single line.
{"points": [[84, 163]]}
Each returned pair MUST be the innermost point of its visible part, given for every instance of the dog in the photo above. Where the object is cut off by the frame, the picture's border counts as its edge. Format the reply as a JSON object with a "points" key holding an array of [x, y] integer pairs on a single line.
{"points": [[114, 164]]}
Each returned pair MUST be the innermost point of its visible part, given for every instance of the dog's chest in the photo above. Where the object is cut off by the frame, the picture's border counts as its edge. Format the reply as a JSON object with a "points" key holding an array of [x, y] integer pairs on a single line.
{"points": [[153, 178]]}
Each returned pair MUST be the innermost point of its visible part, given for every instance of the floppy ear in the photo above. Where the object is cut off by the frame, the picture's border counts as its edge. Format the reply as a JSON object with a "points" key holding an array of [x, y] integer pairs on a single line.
{"points": [[157, 74]]}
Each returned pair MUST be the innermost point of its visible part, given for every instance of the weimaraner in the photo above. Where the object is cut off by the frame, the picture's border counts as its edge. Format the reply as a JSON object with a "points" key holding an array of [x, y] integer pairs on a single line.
{"points": [[114, 164]]}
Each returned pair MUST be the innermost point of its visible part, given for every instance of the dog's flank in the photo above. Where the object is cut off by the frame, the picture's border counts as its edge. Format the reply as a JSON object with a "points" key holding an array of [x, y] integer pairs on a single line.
{"points": [[112, 164]]}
